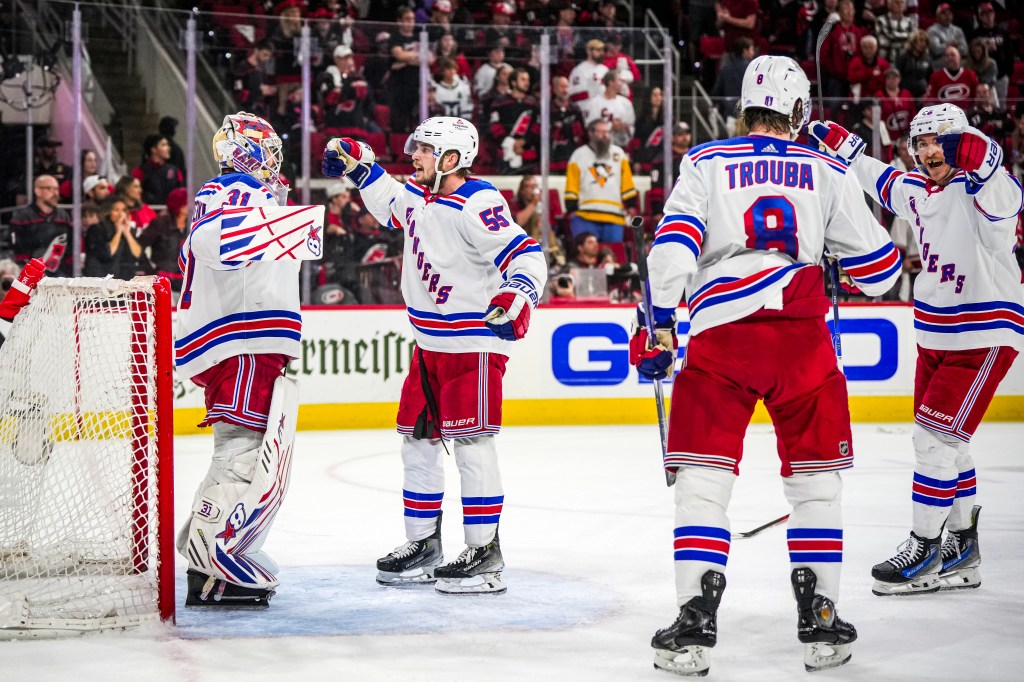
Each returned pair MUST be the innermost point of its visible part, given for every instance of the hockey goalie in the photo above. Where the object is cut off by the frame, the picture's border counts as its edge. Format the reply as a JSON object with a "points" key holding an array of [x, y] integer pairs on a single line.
{"points": [[238, 326]]}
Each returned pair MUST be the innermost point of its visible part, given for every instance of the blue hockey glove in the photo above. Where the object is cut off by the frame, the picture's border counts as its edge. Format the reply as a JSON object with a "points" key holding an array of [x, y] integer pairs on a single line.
{"points": [[343, 157], [836, 140], [973, 152], [653, 361]]}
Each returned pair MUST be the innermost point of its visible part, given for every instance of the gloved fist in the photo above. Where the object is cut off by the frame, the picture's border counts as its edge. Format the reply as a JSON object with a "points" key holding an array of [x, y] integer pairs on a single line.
{"points": [[508, 316], [846, 282], [971, 151], [22, 288], [344, 156], [653, 360], [836, 140]]}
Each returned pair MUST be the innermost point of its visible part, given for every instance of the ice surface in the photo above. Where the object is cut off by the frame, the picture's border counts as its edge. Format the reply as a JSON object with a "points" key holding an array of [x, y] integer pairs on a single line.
{"points": [[587, 536]]}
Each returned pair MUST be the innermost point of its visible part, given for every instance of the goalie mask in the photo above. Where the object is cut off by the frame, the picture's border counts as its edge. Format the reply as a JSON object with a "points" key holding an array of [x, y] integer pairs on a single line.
{"points": [[446, 134], [246, 143], [934, 120], [778, 84]]}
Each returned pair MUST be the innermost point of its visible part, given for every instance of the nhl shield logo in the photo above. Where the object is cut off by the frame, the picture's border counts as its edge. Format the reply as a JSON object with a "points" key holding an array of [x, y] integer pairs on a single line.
{"points": [[844, 448]]}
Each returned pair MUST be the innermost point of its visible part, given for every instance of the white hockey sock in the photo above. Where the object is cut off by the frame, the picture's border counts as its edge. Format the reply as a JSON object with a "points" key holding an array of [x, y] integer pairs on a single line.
{"points": [[815, 530], [935, 478], [702, 533], [482, 495], [422, 485], [966, 488]]}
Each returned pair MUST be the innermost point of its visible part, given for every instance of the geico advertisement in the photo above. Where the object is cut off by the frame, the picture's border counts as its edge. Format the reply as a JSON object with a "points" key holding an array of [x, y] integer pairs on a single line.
{"points": [[353, 355]]}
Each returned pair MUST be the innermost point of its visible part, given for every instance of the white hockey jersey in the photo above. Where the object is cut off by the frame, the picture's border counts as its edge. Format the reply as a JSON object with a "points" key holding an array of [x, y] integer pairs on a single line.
{"points": [[460, 248], [968, 294], [585, 81], [746, 214], [232, 308], [456, 98]]}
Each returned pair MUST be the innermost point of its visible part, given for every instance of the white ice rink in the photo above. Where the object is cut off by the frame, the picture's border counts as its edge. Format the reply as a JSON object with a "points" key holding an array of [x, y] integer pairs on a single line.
{"points": [[587, 536]]}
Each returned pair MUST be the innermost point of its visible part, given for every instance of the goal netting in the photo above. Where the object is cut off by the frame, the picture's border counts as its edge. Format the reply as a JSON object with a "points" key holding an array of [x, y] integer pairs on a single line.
{"points": [[86, 478]]}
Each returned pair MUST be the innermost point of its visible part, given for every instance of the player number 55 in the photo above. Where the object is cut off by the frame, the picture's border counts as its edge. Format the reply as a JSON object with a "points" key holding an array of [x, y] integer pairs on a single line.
{"points": [[493, 219]]}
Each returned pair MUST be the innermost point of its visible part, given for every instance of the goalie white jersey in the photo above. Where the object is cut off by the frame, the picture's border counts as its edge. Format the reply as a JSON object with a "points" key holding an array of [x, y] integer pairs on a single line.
{"points": [[968, 294], [232, 308], [459, 249], [773, 207]]}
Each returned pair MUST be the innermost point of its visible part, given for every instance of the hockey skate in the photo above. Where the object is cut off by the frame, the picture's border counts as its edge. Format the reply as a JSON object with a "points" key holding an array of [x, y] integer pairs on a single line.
{"points": [[476, 571], [210, 592], [684, 647], [828, 639], [914, 570], [412, 563], [961, 556]]}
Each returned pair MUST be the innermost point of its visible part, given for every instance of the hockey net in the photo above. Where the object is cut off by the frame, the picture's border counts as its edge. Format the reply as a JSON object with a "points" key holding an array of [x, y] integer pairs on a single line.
{"points": [[86, 477]]}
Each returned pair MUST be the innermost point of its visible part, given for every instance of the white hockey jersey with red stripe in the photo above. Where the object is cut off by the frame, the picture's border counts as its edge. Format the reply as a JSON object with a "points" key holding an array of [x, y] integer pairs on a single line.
{"points": [[459, 249], [968, 294], [232, 308], [746, 214]]}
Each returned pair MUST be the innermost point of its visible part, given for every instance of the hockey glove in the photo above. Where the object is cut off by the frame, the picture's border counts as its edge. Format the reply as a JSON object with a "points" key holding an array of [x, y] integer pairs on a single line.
{"points": [[508, 316], [21, 289], [846, 282], [973, 152], [343, 157], [836, 140], [653, 361]]}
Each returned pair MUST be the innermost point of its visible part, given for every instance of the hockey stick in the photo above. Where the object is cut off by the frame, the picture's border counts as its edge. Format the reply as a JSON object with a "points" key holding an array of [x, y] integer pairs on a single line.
{"points": [[637, 223], [770, 524], [826, 28], [837, 340]]}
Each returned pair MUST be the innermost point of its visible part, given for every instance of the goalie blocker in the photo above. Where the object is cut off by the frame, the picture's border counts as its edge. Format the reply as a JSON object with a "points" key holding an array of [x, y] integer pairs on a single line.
{"points": [[235, 507]]}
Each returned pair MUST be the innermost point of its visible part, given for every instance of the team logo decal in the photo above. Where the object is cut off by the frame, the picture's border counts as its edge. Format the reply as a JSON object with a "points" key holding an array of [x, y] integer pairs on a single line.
{"points": [[236, 519], [314, 242], [844, 448]]}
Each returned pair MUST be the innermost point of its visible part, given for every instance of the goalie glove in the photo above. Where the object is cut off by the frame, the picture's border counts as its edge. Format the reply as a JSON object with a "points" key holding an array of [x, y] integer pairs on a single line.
{"points": [[653, 360], [344, 157], [21, 289], [971, 151], [836, 140]]}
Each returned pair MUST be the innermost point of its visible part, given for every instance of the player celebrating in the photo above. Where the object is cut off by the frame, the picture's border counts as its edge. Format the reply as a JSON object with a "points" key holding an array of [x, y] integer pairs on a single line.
{"points": [[17, 297], [744, 231], [470, 279], [238, 326], [969, 316]]}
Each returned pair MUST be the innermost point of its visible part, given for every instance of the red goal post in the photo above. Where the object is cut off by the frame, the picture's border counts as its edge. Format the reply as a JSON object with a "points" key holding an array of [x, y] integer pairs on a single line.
{"points": [[86, 459]]}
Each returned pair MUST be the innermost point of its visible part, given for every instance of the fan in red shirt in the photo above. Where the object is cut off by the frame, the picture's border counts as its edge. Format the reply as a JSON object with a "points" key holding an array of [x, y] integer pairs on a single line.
{"points": [[837, 51], [897, 104], [867, 69], [953, 84]]}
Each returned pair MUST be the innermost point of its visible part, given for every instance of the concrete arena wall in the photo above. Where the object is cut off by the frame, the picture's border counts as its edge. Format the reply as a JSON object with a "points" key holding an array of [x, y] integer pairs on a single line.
{"points": [[571, 369]]}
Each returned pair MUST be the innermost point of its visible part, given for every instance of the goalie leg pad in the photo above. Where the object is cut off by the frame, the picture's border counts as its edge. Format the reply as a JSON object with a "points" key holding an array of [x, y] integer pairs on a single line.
{"points": [[231, 520], [702, 532], [935, 480], [482, 494], [815, 530]]}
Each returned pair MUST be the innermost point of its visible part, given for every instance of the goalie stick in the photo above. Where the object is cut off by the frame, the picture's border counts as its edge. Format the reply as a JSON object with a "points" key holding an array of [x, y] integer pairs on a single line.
{"points": [[637, 223]]}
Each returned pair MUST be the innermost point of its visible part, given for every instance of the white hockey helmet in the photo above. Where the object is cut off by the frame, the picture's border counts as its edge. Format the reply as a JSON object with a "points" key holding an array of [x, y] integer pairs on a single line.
{"points": [[446, 134], [779, 84], [246, 143], [933, 121]]}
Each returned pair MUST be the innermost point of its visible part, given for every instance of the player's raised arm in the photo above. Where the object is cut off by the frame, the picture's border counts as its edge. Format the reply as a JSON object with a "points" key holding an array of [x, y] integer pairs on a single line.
{"points": [[997, 194], [348, 158]]}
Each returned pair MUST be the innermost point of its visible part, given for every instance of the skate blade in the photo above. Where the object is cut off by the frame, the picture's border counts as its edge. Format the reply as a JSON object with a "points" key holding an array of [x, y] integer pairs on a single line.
{"points": [[962, 579], [925, 585], [822, 655], [417, 576], [485, 583], [692, 661]]}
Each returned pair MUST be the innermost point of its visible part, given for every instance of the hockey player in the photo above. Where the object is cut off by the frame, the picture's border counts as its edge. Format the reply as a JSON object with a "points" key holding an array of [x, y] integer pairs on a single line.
{"points": [[238, 326], [470, 280], [17, 297], [969, 316], [744, 231]]}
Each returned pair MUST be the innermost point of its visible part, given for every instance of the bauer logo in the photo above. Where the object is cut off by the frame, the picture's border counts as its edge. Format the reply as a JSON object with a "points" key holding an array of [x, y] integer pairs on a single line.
{"points": [[597, 353]]}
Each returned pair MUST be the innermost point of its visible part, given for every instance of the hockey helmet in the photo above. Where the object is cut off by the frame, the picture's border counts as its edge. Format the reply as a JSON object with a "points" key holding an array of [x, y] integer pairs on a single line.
{"points": [[246, 143], [446, 134], [778, 83], [934, 120]]}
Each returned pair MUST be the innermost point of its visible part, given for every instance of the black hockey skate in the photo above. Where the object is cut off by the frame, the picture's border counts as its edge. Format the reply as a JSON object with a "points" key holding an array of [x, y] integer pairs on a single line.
{"points": [[914, 570], [412, 563], [828, 639], [684, 647], [210, 592], [961, 557], [476, 571]]}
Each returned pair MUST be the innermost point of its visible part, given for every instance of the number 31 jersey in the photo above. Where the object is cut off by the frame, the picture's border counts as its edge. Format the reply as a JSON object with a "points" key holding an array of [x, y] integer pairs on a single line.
{"points": [[746, 214]]}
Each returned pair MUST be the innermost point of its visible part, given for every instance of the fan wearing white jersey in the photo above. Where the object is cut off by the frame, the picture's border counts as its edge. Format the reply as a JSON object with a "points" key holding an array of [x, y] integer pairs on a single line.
{"points": [[238, 325], [969, 316], [744, 233], [470, 279]]}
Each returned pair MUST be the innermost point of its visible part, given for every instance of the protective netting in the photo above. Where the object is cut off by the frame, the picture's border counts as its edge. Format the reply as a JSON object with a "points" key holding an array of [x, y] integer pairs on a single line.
{"points": [[78, 458]]}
